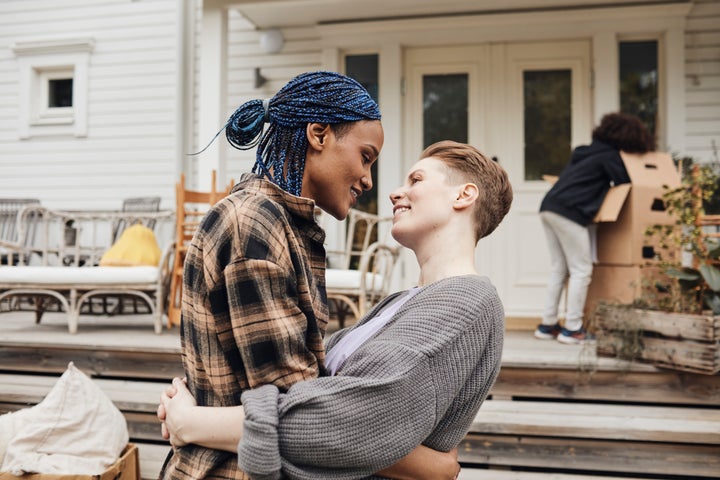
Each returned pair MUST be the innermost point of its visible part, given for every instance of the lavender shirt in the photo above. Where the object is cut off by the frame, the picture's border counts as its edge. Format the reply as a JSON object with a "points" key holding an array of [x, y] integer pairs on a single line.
{"points": [[352, 341]]}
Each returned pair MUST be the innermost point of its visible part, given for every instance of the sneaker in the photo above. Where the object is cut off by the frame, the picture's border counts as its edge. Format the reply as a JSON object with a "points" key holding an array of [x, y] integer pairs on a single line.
{"points": [[547, 332], [573, 337]]}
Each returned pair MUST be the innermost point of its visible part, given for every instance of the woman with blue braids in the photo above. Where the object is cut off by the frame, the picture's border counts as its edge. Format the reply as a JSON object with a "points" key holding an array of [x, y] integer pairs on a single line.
{"points": [[254, 308]]}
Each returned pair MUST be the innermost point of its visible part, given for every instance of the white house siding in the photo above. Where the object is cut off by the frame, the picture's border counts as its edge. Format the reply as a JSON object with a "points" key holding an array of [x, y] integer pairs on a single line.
{"points": [[301, 52], [189, 163], [702, 57], [132, 146], [132, 124]]}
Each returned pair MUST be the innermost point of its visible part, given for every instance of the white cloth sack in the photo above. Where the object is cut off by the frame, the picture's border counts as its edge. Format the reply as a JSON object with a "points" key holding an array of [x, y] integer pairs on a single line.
{"points": [[10, 425], [76, 429]]}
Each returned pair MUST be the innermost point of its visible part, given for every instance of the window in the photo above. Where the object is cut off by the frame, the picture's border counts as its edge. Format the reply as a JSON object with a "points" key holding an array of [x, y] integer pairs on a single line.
{"points": [[60, 92], [445, 108], [54, 104], [548, 121], [53, 86], [364, 69], [639, 80]]}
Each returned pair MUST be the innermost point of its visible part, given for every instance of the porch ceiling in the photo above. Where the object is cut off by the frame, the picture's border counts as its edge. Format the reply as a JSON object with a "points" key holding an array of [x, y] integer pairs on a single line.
{"points": [[285, 13]]}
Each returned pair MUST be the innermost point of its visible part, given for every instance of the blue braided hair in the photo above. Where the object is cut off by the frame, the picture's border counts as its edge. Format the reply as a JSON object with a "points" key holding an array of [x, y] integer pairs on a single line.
{"points": [[322, 97]]}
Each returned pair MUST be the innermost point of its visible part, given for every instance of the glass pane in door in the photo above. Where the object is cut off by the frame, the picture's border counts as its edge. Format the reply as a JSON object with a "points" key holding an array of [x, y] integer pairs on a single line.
{"points": [[548, 117], [639, 80], [445, 108]]}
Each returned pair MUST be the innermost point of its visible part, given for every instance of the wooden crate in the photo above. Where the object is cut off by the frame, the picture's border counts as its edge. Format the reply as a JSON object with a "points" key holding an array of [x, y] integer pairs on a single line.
{"points": [[679, 341]]}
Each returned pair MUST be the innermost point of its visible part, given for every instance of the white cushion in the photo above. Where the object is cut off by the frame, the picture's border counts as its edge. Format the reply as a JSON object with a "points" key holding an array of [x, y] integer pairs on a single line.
{"points": [[76, 429], [78, 275], [350, 279]]}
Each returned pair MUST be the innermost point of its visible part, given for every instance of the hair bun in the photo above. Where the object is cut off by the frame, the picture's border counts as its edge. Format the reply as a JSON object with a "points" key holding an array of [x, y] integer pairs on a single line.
{"points": [[245, 126]]}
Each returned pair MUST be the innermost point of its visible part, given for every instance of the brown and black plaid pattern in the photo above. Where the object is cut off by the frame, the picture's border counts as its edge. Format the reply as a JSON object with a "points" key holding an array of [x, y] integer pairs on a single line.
{"points": [[254, 308]]}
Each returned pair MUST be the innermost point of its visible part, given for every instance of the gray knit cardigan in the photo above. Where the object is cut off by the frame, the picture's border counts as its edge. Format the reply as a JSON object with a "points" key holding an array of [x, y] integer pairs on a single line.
{"points": [[420, 379]]}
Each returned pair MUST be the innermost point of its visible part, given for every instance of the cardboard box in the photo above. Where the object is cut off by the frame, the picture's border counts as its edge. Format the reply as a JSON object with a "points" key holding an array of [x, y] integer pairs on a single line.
{"points": [[628, 210], [127, 467], [618, 284]]}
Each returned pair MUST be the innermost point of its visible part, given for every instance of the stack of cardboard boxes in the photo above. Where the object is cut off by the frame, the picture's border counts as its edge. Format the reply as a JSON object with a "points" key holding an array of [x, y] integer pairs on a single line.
{"points": [[626, 256]]}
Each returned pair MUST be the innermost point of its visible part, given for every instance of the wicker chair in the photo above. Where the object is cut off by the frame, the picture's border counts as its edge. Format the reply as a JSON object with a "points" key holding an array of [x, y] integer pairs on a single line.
{"points": [[359, 275], [12, 242], [136, 204]]}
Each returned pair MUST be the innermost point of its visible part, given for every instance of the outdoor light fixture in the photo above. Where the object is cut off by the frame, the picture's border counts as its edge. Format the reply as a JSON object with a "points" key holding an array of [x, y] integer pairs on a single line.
{"points": [[271, 41], [259, 79]]}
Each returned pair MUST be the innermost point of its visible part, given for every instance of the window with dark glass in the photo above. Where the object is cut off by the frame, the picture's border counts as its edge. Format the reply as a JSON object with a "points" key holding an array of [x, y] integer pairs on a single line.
{"points": [[639, 80], [548, 121], [60, 92], [364, 69], [445, 108]]}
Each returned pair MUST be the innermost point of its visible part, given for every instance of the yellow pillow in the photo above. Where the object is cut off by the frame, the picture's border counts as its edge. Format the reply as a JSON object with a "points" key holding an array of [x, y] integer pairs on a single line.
{"points": [[136, 246]]}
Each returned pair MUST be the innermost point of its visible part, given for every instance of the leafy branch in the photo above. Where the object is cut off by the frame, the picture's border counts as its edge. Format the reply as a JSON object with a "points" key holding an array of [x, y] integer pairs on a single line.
{"points": [[690, 288]]}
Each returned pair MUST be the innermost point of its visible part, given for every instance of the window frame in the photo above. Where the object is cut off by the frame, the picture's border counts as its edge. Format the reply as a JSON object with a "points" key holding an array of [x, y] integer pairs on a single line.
{"points": [[40, 61], [42, 112]]}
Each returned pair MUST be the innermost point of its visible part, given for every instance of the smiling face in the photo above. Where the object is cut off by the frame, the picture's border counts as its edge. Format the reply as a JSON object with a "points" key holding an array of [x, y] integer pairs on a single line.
{"points": [[424, 203], [337, 166]]}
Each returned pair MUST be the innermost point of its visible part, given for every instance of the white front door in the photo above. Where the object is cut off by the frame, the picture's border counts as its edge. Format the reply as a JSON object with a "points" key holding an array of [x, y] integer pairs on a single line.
{"points": [[526, 105]]}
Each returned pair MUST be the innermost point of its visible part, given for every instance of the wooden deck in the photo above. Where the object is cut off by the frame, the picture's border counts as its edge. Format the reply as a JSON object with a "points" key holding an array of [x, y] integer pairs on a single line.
{"points": [[556, 411]]}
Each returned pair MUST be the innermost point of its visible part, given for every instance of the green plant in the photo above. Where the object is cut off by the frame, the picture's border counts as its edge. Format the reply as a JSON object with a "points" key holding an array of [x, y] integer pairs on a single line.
{"points": [[692, 288]]}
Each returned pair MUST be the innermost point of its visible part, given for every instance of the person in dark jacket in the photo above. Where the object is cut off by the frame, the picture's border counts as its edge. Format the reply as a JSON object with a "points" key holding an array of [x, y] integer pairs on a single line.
{"points": [[570, 206]]}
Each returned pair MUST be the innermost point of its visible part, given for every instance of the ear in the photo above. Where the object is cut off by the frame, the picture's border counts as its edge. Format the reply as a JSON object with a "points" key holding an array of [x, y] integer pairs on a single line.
{"points": [[317, 134], [468, 194]]}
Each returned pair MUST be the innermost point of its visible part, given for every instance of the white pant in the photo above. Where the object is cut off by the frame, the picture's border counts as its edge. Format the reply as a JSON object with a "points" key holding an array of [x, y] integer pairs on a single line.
{"points": [[570, 253]]}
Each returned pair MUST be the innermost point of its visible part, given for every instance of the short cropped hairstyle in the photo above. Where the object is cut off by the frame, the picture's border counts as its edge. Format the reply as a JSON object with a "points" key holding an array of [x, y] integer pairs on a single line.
{"points": [[313, 97], [467, 164], [624, 132]]}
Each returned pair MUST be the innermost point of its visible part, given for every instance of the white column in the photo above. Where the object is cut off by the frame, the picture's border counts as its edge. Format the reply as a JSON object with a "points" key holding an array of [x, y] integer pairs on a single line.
{"points": [[673, 91], [213, 93], [606, 75], [391, 168], [334, 229], [184, 81], [330, 60]]}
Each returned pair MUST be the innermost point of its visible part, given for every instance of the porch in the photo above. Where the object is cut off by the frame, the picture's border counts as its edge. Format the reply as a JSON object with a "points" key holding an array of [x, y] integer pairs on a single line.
{"points": [[556, 412]]}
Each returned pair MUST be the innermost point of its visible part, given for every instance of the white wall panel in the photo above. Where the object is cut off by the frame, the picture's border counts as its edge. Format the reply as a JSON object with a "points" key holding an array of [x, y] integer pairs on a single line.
{"points": [[130, 148], [702, 69], [300, 53]]}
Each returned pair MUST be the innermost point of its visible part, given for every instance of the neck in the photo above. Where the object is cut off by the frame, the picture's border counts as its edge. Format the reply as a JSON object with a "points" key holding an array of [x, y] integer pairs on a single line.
{"points": [[445, 258]]}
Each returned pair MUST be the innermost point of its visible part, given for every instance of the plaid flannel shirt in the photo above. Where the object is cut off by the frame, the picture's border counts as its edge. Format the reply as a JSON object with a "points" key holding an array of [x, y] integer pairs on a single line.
{"points": [[254, 307]]}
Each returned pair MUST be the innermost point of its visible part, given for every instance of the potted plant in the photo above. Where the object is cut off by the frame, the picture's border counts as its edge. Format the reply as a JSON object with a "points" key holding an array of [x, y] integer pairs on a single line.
{"points": [[696, 277], [675, 322]]}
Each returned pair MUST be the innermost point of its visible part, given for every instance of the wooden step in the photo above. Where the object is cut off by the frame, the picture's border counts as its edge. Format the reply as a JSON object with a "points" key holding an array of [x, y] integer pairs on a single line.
{"points": [[122, 362], [494, 474], [132, 395], [613, 422], [152, 458], [595, 437], [619, 458]]}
